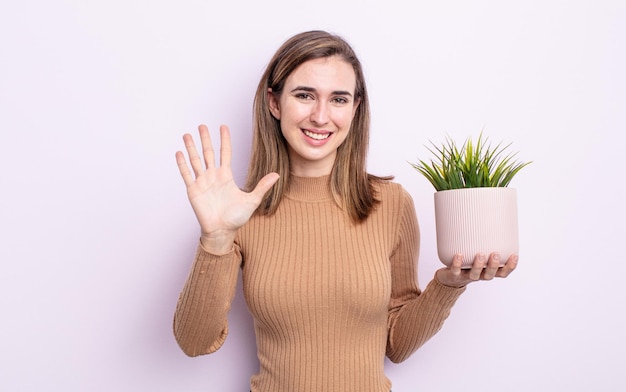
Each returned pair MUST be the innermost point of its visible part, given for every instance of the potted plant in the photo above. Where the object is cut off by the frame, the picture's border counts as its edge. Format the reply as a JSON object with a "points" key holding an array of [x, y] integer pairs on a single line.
{"points": [[475, 211]]}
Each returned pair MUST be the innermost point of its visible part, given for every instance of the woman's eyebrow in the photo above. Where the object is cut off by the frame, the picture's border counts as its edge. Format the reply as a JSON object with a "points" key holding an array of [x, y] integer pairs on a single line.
{"points": [[313, 90]]}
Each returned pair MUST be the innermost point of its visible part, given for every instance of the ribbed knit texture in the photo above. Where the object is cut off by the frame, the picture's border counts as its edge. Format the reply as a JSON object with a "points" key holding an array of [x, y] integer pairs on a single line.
{"points": [[329, 297]]}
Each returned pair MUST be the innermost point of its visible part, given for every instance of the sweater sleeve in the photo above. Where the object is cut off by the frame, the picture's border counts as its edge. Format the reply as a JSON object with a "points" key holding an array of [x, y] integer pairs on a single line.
{"points": [[414, 316], [200, 320]]}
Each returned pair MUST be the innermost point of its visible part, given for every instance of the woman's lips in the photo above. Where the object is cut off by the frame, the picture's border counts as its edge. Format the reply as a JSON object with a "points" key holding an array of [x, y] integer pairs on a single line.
{"points": [[318, 136]]}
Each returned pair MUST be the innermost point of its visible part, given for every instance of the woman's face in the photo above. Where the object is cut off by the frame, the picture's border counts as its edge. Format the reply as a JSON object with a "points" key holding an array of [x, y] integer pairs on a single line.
{"points": [[315, 110]]}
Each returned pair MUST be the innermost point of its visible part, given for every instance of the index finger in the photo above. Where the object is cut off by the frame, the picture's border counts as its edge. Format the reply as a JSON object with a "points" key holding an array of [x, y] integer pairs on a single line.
{"points": [[509, 267], [225, 147]]}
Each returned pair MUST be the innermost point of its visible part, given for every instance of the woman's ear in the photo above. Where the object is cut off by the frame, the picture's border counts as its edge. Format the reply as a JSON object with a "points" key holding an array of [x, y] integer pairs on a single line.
{"points": [[273, 102]]}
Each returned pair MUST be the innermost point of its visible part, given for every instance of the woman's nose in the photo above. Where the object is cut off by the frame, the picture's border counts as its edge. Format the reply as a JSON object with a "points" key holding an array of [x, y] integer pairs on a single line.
{"points": [[320, 114]]}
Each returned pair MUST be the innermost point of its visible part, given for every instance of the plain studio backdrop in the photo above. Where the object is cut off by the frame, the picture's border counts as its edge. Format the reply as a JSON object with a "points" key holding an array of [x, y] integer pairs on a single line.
{"points": [[97, 235]]}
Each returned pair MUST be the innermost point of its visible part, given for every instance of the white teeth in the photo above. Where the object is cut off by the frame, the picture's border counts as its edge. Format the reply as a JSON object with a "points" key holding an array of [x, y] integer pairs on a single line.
{"points": [[317, 136]]}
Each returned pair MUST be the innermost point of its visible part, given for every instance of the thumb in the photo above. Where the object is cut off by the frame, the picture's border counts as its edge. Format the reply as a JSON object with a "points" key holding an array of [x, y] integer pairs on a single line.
{"points": [[264, 185]]}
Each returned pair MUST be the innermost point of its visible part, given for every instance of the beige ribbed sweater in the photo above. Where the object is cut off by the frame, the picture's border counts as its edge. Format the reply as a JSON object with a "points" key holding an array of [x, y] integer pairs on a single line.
{"points": [[329, 298]]}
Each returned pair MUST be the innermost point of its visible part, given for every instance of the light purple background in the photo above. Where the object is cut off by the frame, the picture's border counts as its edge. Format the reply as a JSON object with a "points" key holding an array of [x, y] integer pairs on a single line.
{"points": [[97, 235]]}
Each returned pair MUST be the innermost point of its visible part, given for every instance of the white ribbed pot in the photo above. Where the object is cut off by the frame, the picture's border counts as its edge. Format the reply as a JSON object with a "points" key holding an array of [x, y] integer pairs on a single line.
{"points": [[474, 220]]}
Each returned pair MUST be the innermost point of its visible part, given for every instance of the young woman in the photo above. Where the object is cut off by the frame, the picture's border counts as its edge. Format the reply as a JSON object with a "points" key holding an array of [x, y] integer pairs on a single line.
{"points": [[328, 253]]}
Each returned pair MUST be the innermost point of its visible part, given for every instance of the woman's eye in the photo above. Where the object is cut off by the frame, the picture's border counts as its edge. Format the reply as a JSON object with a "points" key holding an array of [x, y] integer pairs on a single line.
{"points": [[340, 100], [304, 96]]}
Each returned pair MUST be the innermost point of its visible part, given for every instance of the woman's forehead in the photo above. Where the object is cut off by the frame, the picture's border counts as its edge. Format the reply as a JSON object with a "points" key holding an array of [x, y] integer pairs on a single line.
{"points": [[327, 73]]}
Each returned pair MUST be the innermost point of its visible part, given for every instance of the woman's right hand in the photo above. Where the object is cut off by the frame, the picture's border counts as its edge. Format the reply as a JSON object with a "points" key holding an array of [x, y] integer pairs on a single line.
{"points": [[220, 206]]}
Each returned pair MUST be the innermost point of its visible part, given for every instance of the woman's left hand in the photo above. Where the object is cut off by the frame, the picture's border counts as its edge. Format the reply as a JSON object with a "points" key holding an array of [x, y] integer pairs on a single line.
{"points": [[482, 269]]}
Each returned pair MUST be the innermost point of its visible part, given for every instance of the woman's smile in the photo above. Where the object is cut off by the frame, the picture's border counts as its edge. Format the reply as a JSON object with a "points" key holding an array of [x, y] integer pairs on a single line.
{"points": [[317, 136]]}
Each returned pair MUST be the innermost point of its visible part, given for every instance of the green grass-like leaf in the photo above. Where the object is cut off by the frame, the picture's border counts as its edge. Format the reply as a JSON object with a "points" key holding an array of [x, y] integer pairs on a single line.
{"points": [[472, 165]]}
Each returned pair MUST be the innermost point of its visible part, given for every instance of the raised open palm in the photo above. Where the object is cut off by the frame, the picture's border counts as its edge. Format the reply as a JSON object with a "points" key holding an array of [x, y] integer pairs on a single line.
{"points": [[220, 206]]}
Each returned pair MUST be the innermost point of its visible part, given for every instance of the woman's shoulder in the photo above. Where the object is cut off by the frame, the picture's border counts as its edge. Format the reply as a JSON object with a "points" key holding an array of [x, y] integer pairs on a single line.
{"points": [[388, 186], [389, 190]]}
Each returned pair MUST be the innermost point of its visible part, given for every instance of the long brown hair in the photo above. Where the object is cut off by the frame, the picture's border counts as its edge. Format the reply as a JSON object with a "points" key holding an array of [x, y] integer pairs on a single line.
{"points": [[352, 186]]}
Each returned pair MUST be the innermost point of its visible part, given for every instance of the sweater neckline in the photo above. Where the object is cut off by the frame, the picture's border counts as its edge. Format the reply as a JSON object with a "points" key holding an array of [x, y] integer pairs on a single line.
{"points": [[309, 188]]}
